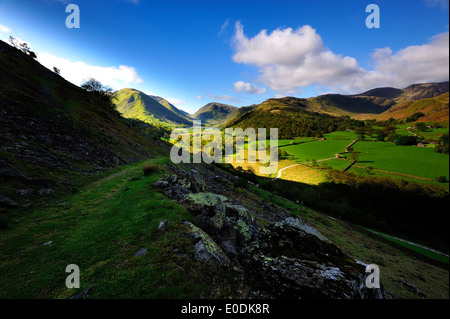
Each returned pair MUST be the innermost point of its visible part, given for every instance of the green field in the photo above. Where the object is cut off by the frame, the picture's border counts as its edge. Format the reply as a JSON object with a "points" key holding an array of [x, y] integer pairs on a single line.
{"points": [[410, 160], [317, 150], [341, 135]]}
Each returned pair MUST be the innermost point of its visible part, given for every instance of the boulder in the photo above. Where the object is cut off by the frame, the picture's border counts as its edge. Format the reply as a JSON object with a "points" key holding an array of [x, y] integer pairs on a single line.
{"points": [[206, 250], [290, 259]]}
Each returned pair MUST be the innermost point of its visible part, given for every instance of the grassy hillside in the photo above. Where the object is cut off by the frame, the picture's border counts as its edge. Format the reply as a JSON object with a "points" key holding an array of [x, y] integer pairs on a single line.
{"points": [[292, 118], [435, 110], [138, 105], [103, 227], [170, 106], [214, 113], [55, 135]]}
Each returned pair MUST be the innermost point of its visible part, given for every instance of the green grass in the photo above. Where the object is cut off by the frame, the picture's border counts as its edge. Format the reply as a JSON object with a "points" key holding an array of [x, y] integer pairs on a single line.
{"points": [[410, 160], [317, 150], [421, 250], [99, 229], [341, 135]]}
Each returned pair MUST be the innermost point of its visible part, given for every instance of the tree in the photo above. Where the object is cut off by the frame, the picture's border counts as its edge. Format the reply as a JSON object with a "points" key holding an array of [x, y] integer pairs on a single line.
{"points": [[56, 70], [104, 92], [24, 47], [421, 127], [404, 140]]}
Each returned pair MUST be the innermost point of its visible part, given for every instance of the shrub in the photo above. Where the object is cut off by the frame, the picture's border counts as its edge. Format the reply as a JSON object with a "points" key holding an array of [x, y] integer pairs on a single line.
{"points": [[150, 169], [441, 179]]}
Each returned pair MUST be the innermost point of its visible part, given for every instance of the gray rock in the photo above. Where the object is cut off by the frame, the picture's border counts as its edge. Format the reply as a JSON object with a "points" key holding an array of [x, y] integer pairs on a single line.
{"points": [[6, 201], [141, 252], [206, 250], [82, 295], [163, 226], [161, 184], [46, 192]]}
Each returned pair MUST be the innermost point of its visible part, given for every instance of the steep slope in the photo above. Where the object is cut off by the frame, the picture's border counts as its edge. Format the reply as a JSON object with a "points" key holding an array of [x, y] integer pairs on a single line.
{"points": [[214, 113], [138, 105], [53, 133], [336, 104], [416, 92], [170, 106], [435, 109]]}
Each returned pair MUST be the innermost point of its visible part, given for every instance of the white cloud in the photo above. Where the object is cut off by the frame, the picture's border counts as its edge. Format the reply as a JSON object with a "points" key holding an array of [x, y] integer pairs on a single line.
{"points": [[4, 29], [224, 27], [177, 102], [289, 60], [241, 86], [226, 98], [199, 97], [78, 72], [220, 97], [441, 3]]}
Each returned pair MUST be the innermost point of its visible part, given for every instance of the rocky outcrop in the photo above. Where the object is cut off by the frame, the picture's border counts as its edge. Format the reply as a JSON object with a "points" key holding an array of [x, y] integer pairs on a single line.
{"points": [[281, 258]]}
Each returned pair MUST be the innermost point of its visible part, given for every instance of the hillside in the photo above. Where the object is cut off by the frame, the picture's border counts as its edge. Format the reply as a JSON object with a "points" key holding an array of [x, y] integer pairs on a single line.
{"points": [[54, 135], [153, 110], [170, 106], [214, 113], [290, 114], [435, 109], [292, 117], [372, 102]]}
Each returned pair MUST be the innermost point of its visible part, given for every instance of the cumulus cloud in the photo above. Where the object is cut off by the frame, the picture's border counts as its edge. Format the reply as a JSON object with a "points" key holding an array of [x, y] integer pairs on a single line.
{"points": [[78, 72], [241, 86], [289, 60]]}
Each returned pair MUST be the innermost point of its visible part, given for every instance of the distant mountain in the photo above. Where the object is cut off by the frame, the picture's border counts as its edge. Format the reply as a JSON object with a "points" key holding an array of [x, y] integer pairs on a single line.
{"points": [[170, 106], [435, 109], [375, 101], [151, 109], [214, 113], [319, 115]]}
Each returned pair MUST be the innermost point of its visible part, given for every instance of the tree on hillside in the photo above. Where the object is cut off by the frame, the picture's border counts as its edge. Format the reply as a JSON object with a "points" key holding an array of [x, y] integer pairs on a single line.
{"points": [[104, 92], [24, 47], [421, 127]]}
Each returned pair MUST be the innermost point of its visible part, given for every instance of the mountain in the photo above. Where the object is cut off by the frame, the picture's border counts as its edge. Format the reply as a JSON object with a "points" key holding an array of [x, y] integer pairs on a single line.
{"points": [[435, 109], [135, 104], [170, 106], [290, 114], [55, 134], [214, 113], [375, 101], [292, 117]]}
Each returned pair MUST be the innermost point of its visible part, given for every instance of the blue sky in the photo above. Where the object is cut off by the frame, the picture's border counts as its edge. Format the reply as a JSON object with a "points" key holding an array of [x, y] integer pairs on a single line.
{"points": [[236, 52]]}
